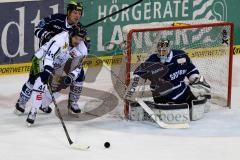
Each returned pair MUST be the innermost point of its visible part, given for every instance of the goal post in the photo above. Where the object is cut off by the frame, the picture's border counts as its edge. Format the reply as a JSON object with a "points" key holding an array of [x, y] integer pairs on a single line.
{"points": [[209, 45]]}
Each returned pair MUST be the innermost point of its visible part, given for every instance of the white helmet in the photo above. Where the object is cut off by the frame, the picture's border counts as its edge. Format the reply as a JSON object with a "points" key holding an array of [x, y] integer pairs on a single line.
{"points": [[163, 45]]}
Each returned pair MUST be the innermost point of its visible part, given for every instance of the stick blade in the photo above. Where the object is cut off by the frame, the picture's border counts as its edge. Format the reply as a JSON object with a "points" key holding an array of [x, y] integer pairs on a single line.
{"points": [[157, 120], [80, 147], [176, 126]]}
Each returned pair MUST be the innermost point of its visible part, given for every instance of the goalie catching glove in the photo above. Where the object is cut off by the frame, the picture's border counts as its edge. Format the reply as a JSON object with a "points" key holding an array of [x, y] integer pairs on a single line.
{"points": [[200, 87]]}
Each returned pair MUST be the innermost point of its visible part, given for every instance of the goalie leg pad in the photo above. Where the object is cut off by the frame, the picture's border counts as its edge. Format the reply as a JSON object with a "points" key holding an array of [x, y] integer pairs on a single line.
{"points": [[168, 113], [136, 112], [199, 107], [173, 113]]}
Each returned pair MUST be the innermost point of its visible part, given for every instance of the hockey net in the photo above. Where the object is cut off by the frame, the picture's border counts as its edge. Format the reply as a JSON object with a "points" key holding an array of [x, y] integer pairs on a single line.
{"points": [[209, 44]]}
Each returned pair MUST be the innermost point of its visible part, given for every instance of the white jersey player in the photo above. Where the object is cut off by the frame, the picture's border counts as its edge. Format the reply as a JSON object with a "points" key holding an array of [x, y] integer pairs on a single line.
{"points": [[50, 57], [68, 74]]}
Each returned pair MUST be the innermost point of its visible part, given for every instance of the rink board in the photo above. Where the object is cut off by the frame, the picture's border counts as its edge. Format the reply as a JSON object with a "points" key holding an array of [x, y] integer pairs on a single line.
{"points": [[21, 68]]}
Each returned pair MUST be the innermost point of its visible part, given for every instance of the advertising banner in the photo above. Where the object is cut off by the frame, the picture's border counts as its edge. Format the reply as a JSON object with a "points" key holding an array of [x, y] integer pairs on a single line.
{"points": [[148, 11], [18, 20]]}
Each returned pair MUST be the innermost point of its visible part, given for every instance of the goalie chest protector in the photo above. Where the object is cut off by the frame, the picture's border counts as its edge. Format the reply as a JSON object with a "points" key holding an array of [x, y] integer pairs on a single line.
{"points": [[178, 66]]}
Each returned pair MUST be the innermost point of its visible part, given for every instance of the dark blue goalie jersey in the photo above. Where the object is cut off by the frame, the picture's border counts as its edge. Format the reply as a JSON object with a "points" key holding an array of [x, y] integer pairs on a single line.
{"points": [[168, 79]]}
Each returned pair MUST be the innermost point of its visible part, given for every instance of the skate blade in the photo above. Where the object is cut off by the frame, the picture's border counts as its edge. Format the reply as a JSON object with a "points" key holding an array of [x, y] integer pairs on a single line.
{"points": [[41, 112], [80, 147], [29, 125], [71, 113]]}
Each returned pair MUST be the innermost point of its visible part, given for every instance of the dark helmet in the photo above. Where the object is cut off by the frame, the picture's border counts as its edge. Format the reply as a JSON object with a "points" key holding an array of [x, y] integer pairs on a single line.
{"points": [[74, 6], [77, 31]]}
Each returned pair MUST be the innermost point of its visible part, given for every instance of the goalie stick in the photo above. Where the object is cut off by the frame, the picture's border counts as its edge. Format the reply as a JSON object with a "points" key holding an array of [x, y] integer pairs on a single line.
{"points": [[147, 108], [157, 119], [112, 14], [73, 145]]}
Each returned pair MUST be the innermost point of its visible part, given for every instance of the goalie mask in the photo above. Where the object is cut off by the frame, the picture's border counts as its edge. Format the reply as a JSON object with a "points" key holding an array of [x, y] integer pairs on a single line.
{"points": [[163, 50]]}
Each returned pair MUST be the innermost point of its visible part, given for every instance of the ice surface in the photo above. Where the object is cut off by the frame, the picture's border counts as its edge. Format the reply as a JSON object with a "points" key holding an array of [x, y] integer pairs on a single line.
{"points": [[217, 136]]}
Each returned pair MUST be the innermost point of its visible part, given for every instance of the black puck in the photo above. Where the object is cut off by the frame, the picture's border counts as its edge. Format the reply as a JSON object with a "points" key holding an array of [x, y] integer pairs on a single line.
{"points": [[106, 144]]}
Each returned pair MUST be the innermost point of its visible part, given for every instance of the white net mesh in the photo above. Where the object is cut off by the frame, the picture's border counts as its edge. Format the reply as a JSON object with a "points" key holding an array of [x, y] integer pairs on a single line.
{"points": [[208, 47]]}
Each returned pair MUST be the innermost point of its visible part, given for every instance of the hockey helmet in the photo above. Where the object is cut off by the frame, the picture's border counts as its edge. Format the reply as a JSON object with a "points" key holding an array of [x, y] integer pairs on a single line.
{"points": [[77, 31], [74, 6], [163, 45], [163, 49]]}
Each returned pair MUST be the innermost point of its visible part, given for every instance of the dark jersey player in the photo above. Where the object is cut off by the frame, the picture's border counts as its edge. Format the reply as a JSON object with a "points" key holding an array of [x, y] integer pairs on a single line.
{"points": [[167, 70], [47, 28]]}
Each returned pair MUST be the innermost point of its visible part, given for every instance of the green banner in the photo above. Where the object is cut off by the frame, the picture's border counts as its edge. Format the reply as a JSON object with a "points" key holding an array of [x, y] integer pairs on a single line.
{"points": [[110, 30]]}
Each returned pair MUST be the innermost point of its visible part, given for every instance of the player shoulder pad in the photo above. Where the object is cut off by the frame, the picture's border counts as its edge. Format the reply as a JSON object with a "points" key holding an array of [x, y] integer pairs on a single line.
{"points": [[59, 16], [181, 56], [61, 38], [153, 58], [178, 52]]}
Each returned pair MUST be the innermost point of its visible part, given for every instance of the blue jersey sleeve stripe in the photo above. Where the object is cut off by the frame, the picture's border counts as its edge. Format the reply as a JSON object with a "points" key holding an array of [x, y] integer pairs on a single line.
{"points": [[195, 69], [172, 89], [177, 96], [39, 31], [36, 32], [39, 34]]}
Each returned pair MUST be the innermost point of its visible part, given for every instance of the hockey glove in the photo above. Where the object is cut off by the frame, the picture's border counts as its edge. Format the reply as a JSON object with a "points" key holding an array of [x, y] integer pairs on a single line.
{"points": [[200, 87], [48, 70], [67, 81]]}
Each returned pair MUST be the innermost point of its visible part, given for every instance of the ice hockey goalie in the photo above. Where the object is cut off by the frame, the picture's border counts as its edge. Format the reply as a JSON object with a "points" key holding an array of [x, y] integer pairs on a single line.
{"points": [[167, 71]]}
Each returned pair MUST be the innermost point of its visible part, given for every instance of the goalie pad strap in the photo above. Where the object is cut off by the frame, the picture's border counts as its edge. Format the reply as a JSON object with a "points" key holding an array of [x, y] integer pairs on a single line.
{"points": [[199, 107], [199, 101], [167, 106], [166, 117]]}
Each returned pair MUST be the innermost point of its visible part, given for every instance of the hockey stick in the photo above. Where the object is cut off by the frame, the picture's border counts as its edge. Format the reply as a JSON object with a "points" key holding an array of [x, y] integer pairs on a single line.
{"points": [[157, 119], [73, 145], [112, 14], [147, 108]]}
